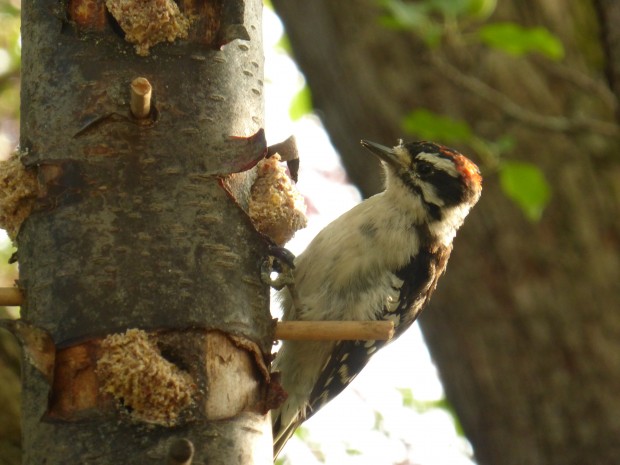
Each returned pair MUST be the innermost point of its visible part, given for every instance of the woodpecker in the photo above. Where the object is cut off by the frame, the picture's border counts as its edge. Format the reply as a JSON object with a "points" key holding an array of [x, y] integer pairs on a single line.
{"points": [[379, 261]]}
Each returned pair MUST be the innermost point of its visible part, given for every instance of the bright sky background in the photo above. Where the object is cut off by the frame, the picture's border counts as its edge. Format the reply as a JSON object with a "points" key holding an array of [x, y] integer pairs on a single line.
{"points": [[348, 422]]}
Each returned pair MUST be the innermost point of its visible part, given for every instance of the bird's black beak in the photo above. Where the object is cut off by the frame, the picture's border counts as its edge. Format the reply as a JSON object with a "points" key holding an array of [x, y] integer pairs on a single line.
{"points": [[386, 154]]}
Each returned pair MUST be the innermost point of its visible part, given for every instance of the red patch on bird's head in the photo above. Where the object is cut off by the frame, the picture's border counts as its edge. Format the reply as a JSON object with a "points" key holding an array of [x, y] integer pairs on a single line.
{"points": [[468, 169]]}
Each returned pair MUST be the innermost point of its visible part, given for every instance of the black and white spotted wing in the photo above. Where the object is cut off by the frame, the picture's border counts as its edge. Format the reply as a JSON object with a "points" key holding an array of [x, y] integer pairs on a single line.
{"points": [[418, 280]]}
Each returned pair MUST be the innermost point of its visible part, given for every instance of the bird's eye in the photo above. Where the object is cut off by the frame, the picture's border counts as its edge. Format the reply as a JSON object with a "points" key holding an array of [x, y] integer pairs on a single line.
{"points": [[424, 169]]}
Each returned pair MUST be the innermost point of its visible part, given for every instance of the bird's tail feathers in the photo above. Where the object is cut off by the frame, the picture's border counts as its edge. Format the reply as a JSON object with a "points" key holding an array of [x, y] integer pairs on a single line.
{"points": [[282, 433]]}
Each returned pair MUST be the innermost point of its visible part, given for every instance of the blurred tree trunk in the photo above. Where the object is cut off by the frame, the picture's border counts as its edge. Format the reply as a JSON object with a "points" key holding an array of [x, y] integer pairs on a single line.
{"points": [[609, 15], [524, 327], [135, 226], [10, 431]]}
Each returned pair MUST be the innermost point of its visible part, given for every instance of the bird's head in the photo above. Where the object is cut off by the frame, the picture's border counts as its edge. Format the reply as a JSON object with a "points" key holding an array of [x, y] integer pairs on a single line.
{"points": [[440, 177]]}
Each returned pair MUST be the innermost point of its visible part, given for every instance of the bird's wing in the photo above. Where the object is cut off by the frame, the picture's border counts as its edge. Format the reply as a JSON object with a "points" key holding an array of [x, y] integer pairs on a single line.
{"points": [[412, 289]]}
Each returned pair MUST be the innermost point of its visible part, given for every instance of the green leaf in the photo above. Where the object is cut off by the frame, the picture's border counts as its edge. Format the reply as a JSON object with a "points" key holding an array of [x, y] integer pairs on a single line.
{"points": [[517, 40], [351, 451], [418, 405], [414, 17], [301, 104], [378, 421], [9, 8], [284, 45], [408, 399], [526, 185], [302, 433], [504, 144], [448, 7], [423, 406], [406, 15], [481, 9], [428, 125]]}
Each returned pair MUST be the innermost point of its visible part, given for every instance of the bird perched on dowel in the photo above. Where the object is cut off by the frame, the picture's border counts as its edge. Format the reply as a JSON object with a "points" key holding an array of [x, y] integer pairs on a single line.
{"points": [[379, 261]]}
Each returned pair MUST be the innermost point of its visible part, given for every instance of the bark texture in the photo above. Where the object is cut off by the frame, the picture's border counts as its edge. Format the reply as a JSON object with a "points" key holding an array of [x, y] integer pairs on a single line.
{"points": [[523, 327], [135, 227]]}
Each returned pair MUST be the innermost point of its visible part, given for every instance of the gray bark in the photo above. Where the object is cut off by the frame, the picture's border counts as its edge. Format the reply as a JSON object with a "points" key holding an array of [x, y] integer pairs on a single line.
{"points": [[523, 326], [133, 228]]}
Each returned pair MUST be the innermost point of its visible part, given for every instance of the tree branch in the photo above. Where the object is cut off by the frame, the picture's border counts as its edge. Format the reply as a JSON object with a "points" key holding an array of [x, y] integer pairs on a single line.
{"points": [[517, 112]]}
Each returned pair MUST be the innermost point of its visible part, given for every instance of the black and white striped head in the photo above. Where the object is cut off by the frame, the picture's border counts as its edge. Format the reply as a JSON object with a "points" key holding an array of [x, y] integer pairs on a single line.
{"points": [[441, 177]]}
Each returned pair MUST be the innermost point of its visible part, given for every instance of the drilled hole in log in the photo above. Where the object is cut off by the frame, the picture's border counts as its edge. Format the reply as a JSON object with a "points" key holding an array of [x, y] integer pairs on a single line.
{"points": [[172, 354], [87, 15], [205, 17], [116, 28]]}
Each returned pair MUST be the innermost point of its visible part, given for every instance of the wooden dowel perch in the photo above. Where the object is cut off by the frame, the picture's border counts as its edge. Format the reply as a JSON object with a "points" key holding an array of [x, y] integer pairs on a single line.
{"points": [[10, 297], [140, 103], [289, 330], [335, 330]]}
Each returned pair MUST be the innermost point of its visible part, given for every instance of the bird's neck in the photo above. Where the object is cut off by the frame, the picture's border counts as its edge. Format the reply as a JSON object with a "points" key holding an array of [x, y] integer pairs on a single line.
{"points": [[401, 199], [442, 227]]}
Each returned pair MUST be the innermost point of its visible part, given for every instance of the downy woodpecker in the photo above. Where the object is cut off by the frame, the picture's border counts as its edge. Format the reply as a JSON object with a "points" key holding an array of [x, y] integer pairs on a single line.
{"points": [[379, 261]]}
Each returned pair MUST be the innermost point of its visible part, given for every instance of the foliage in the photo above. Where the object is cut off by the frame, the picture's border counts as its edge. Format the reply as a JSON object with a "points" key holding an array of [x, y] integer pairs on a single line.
{"points": [[301, 104], [431, 126], [10, 64], [412, 16], [284, 45], [428, 18], [516, 40], [526, 185], [10, 59], [432, 21], [423, 406]]}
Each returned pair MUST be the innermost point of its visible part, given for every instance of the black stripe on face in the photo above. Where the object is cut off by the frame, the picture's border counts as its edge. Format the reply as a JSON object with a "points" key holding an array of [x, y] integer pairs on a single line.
{"points": [[434, 211], [448, 188], [410, 181]]}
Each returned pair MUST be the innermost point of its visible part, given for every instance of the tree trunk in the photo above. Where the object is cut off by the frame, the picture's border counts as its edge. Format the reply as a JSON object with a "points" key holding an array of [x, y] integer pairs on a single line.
{"points": [[137, 226], [608, 16], [523, 327], [10, 431]]}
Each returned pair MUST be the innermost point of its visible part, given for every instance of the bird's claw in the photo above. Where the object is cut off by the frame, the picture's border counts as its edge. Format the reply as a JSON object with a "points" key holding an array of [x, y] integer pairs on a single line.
{"points": [[282, 262]]}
